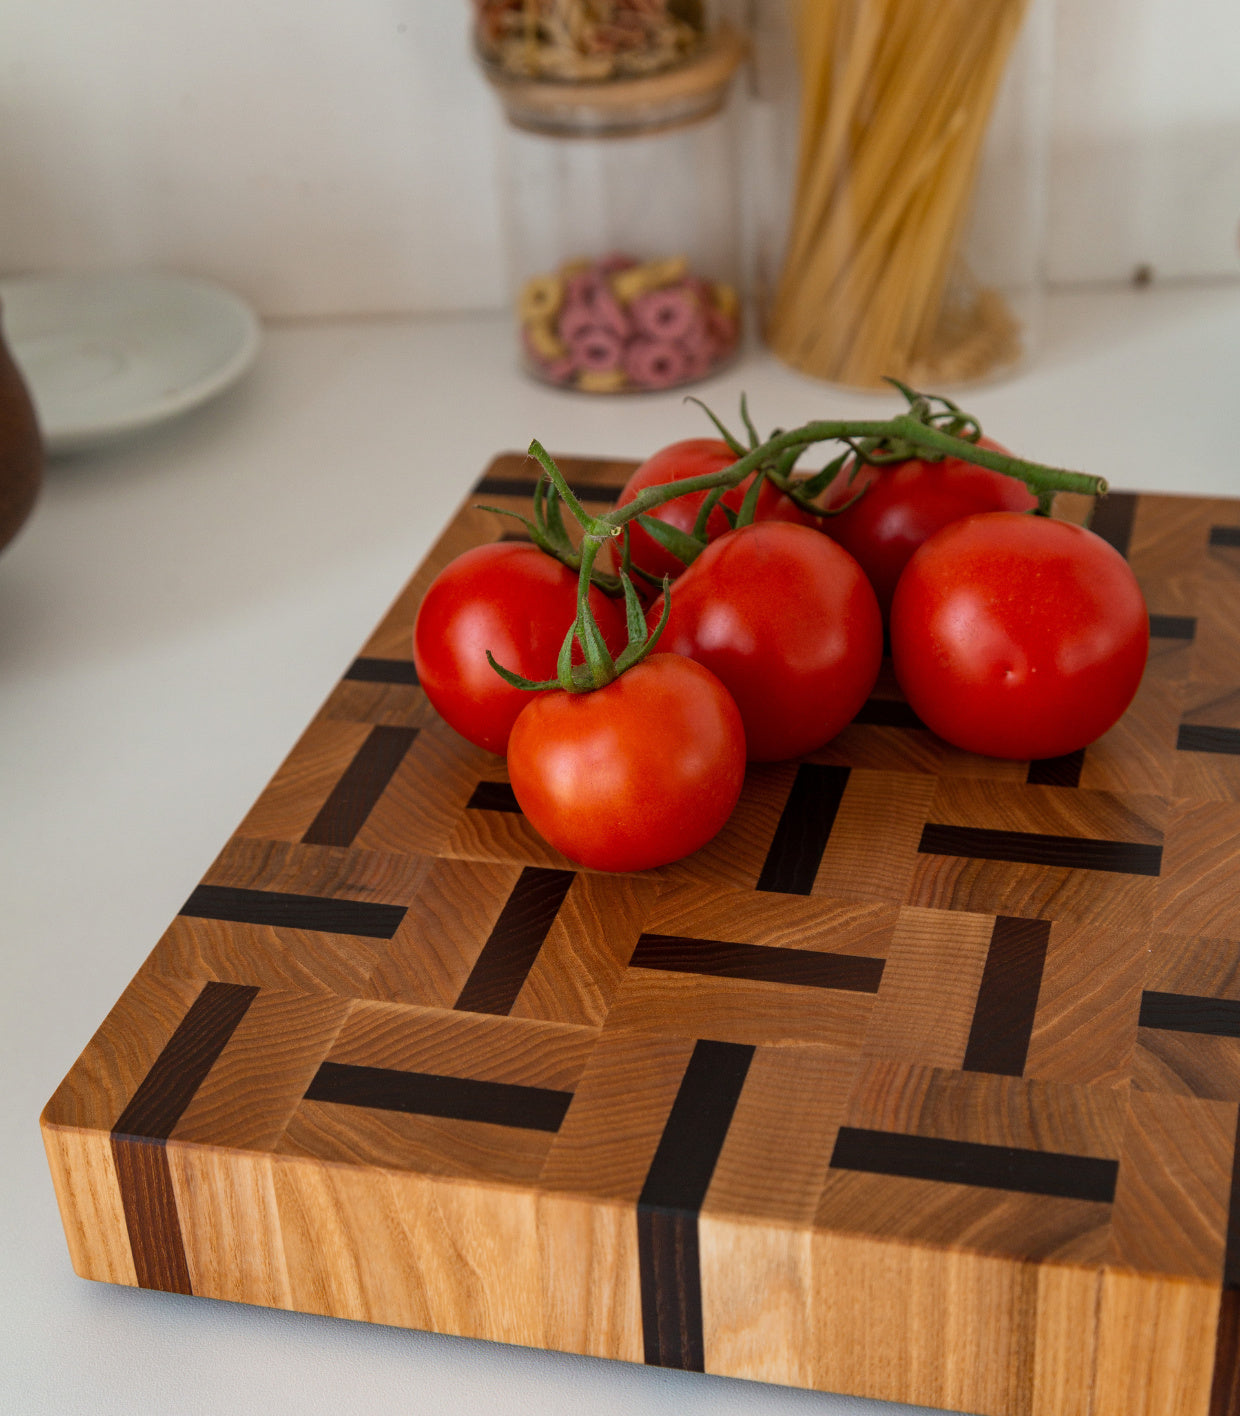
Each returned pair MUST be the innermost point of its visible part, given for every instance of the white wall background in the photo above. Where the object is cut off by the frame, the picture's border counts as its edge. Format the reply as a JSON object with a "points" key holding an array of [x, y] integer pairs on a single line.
{"points": [[328, 158]]}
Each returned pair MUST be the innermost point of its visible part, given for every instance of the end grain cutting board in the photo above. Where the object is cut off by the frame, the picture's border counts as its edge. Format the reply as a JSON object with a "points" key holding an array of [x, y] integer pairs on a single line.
{"points": [[920, 1082]]}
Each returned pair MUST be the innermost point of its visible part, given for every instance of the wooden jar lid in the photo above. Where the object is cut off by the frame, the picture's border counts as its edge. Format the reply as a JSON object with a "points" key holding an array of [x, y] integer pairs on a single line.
{"points": [[620, 107]]}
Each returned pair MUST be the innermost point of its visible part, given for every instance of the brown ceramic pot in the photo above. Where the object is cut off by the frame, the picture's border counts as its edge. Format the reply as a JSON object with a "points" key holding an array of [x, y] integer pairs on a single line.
{"points": [[21, 448]]}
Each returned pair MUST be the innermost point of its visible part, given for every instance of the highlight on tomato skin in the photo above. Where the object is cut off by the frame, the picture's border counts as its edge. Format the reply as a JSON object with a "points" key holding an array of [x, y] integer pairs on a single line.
{"points": [[512, 599], [1018, 636], [634, 775]]}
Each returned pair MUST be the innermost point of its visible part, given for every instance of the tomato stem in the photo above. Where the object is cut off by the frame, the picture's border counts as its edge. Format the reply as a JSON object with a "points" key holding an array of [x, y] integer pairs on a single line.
{"points": [[1038, 478], [877, 441], [905, 428]]}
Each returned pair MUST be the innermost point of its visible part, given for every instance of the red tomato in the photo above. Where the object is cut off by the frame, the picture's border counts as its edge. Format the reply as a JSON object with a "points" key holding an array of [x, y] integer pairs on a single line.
{"points": [[693, 458], [1018, 636], [517, 602], [633, 775], [906, 503], [789, 623]]}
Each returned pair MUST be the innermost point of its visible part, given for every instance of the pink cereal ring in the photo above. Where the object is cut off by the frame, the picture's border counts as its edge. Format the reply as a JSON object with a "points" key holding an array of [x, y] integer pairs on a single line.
{"points": [[664, 314], [723, 330], [609, 265], [589, 290], [588, 287], [699, 358], [655, 363], [609, 313], [576, 319], [698, 336], [597, 349]]}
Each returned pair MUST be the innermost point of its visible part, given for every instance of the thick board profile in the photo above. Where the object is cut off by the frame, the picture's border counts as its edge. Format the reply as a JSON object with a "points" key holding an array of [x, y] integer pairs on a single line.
{"points": [[921, 1081]]}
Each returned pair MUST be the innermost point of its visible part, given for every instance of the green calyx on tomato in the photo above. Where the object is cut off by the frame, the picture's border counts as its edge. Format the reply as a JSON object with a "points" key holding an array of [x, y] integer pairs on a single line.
{"points": [[508, 598], [600, 666]]}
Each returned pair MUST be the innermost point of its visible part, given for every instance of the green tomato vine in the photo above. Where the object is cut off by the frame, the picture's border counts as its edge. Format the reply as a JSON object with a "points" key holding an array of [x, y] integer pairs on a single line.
{"points": [[932, 428]]}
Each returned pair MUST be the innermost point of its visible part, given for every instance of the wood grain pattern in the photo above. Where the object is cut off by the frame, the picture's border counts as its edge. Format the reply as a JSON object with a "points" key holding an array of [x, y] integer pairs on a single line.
{"points": [[921, 1081]]}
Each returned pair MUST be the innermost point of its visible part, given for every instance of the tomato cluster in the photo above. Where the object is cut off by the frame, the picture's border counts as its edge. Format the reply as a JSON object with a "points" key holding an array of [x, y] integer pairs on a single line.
{"points": [[1011, 635]]}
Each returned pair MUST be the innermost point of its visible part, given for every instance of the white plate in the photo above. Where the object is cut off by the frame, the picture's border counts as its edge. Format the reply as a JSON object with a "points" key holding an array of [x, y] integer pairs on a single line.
{"points": [[108, 354]]}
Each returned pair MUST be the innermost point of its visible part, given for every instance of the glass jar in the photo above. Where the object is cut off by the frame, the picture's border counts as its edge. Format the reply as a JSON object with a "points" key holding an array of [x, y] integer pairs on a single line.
{"points": [[905, 194], [622, 224]]}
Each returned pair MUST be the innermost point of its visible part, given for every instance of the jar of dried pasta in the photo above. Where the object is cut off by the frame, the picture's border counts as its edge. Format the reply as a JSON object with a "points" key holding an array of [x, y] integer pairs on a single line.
{"points": [[619, 187], [903, 196]]}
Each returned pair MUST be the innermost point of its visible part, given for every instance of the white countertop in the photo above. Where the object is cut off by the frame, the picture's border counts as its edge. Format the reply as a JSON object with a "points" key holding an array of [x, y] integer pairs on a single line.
{"points": [[174, 613]]}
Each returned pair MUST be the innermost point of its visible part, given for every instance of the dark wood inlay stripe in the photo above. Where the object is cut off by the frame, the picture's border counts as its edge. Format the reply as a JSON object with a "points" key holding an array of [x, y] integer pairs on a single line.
{"points": [[149, 1202], [1173, 627], [1202, 737], [670, 1278], [804, 828], [524, 487], [1225, 535], [1186, 1012], [312, 912], [383, 671], [1225, 1387], [493, 796], [1032, 848], [182, 1066], [141, 1131], [1008, 997], [1113, 517], [1074, 1177], [807, 968], [888, 713], [361, 785], [1231, 1253], [667, 1210], [500, 971], [1057, 771], [427, 1094]]}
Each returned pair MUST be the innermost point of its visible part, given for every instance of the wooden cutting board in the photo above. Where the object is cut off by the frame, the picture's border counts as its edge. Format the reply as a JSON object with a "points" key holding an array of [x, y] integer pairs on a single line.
{"points": [[920, 1082]]}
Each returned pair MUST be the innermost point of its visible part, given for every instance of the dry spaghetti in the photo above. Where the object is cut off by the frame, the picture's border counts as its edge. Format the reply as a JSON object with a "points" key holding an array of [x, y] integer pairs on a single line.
{"points": [[895, 102]]}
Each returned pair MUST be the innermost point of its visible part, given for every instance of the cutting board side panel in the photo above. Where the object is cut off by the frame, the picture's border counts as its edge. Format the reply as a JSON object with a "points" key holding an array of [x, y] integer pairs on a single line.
{"points": [[468, 1260], [89, 1198], [1152, 1360]]}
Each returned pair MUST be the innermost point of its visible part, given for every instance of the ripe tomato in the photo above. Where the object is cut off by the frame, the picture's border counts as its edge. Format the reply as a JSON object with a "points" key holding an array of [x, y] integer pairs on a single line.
{"points": [[633, 775], [1017, 636], [514, 600], [692, 458], [788, 621], [908, 502]]}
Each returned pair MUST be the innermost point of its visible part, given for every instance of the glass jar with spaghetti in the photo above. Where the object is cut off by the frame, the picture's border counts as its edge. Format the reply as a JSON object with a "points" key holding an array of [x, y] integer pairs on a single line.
{"points": [[905, 194], [618, 186]]}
